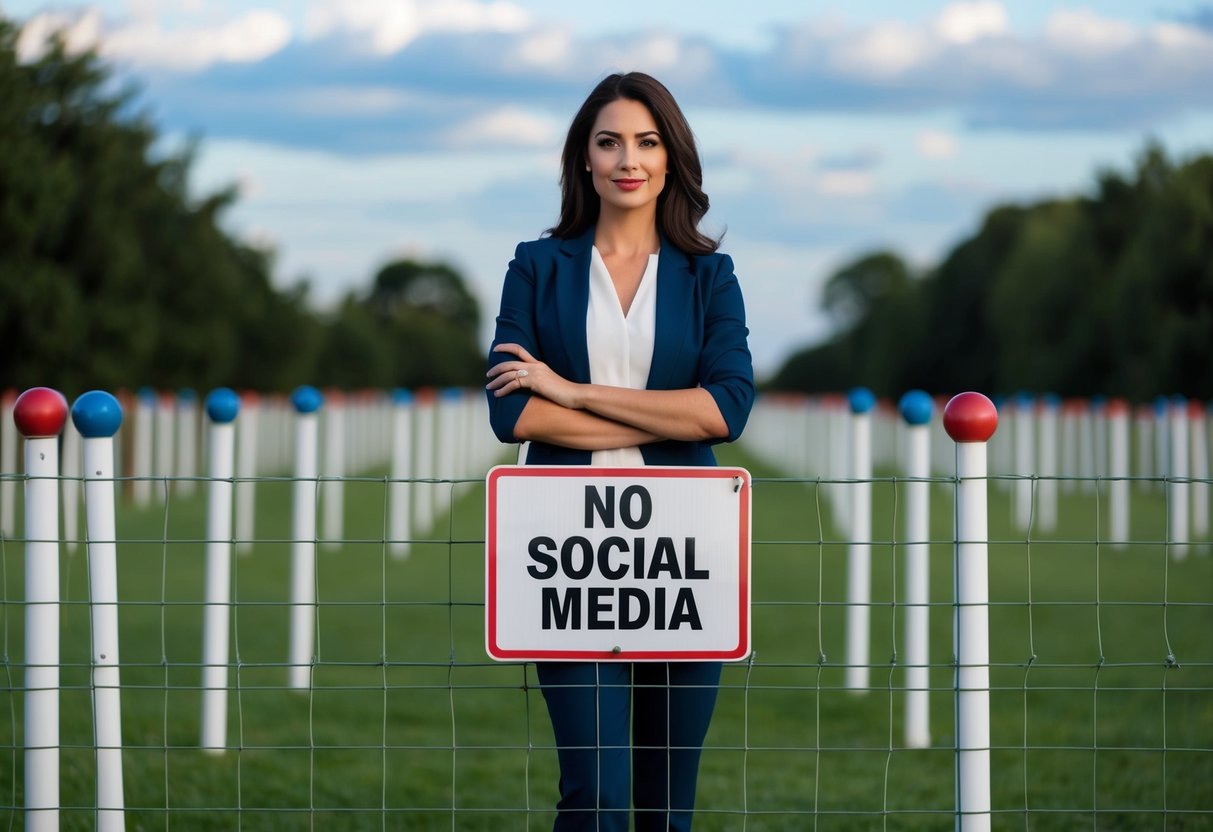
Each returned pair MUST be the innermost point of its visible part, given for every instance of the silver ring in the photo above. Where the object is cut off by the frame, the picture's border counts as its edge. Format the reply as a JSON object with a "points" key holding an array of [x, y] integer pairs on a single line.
{"points": [[520, 374]]}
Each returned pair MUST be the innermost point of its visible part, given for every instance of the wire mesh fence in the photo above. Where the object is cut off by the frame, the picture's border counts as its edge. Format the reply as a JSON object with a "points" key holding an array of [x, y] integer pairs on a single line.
{"points": [[383, 711], [1100, 652]]}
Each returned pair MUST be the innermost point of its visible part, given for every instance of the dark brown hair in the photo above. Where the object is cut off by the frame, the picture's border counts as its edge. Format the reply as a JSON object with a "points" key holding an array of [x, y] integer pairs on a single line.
{"points": [[682, 202]]}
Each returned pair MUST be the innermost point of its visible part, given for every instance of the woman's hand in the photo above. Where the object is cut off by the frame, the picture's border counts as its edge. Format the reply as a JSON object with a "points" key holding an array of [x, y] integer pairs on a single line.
{"points": [[527, 373]]}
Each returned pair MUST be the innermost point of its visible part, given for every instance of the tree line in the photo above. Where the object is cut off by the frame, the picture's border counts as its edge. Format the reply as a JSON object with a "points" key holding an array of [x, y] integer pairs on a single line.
{"points": [[1107, 293], [112, 275]]}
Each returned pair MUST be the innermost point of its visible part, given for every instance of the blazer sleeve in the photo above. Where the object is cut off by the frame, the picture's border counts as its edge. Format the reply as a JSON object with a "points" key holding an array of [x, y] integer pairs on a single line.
{"points": [[515, 325], [726, 369]]}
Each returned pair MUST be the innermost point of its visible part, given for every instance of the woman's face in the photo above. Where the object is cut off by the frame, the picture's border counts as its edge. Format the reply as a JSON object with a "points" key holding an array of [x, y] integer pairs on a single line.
{"points": [[626, 156]]}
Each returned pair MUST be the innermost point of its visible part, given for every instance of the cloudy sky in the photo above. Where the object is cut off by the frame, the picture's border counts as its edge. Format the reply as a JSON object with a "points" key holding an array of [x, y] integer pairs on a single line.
{"points": [[362, 130]]}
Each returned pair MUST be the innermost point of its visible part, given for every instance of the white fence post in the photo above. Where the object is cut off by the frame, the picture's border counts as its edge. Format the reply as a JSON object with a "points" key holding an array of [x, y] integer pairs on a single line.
{"points": [[246, 472], [1047, 464], [1199, 469], [69, 476], [97, 415], [399, 491], [1024, 407], [1117, 413], [423, 459], [162, 449], [143, 429], [306, 401], [970, 420], [332, 490], [187, 441], [222, 406], [1162, 441], [40, 414], [1089, 451], [859, 551], [836, 464], [916, 408], [1143, 419], [1177, 482]]}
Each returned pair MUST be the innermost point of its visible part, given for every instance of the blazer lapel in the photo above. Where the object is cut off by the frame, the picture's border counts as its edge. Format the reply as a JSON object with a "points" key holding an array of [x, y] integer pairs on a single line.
{"points": [[572, 300], [674, 285]]}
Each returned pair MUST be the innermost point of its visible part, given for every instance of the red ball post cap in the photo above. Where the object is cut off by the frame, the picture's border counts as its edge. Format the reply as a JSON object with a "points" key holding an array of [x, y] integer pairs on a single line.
{"points": [[40, 412], [970, 417]]}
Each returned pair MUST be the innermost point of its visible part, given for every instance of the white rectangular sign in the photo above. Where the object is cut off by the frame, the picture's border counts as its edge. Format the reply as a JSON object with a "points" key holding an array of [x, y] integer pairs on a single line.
{"points": [[630, 564]]}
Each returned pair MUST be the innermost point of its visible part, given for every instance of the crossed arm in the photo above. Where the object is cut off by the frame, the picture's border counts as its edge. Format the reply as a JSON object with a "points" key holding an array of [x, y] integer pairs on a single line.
{"points": [[600, 417]]}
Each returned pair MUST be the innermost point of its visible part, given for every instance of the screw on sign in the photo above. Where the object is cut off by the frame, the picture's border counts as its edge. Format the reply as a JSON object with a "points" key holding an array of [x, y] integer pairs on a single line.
{"points": [[40, 412]]}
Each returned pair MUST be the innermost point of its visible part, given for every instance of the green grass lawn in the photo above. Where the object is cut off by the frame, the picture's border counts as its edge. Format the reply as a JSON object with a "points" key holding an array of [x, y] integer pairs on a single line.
{"points": [[408, 725]]}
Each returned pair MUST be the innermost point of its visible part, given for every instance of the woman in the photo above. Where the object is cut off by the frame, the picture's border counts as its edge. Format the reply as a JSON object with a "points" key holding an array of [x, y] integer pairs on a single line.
{"points": [[621, 341]]}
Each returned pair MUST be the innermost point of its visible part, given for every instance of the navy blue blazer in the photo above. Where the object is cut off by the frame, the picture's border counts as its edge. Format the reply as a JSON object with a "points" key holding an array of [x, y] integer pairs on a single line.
{"points": [[700, 339]]}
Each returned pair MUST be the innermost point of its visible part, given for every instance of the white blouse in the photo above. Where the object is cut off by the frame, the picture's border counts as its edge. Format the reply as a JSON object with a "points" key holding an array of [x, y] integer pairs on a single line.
{"points": [[620, 346]]}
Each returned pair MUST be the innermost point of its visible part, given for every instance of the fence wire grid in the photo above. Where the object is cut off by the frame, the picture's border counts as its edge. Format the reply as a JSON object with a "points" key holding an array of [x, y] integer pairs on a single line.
{"points": [[1101, 671]]}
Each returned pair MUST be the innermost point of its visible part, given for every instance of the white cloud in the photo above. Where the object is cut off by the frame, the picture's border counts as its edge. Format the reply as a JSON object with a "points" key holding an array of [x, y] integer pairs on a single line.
{"points": [[1175, 36], [424, 64], [935, 144], [966, 23], [1085, 31], [389, 26], [882, 51], [790, 175], [80, 32], [341, 101], [508, 126], [848, 184], [549, 48], [251, 37], [657, 52], [1012, 63]]}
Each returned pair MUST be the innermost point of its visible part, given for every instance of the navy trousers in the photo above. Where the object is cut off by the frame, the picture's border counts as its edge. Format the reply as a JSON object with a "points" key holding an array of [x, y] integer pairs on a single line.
{"points": [[628, 734]]}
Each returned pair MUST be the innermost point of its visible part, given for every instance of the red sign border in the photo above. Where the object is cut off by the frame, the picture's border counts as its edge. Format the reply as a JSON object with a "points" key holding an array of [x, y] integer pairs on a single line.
{"points": [[656, 471]]}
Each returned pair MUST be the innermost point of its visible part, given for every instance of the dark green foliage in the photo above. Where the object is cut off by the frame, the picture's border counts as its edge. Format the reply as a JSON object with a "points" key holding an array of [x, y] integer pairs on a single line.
{"points": [[1110, 293], [113, 275], [416, 327]]}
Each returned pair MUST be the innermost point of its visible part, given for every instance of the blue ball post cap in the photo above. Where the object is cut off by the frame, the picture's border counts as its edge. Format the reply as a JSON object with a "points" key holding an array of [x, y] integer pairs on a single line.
{"points": [[1051, 400], [187, 395], [306, 399], [916, 407], [222, 405], [451, 394], [402, 396], [97, 414], [861, 399]]}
